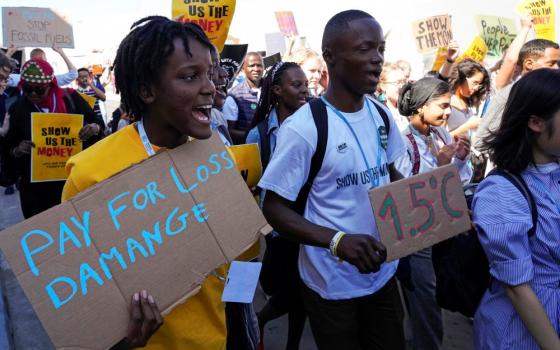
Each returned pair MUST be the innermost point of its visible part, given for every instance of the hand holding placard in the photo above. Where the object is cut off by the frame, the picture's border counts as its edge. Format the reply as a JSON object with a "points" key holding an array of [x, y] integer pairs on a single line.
{"points": [[420, 211]]}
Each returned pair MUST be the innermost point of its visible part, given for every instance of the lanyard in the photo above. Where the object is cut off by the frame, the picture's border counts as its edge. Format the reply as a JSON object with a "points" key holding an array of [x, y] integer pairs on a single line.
{"points": [[144, 138], [542, 187], [54, 106], [374, 181]]}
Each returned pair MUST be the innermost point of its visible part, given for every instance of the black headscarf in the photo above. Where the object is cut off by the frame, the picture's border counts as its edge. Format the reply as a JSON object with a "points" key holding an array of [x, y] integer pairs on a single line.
{"points": [[415, 95]]}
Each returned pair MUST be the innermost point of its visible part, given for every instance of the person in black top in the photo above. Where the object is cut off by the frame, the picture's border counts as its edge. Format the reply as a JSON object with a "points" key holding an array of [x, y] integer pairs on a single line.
{"points": [[41, 93]]}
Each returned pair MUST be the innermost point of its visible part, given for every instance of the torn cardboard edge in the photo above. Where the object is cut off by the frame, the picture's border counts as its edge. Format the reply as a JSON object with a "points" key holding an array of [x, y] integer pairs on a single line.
{"points": [[77, 206]]}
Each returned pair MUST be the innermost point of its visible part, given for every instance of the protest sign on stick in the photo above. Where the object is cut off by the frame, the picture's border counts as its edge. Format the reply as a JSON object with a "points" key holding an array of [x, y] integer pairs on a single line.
{"points": [[420, 211], [162, 225], [231, 59], [544, 14], [55, 136], [36, 27], [213, 16], [286, 22], [497, 32], [432, 32]]}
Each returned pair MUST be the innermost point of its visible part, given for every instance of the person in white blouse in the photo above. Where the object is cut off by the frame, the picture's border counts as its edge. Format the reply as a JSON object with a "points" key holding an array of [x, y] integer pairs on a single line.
{"points": [[429, 145]]}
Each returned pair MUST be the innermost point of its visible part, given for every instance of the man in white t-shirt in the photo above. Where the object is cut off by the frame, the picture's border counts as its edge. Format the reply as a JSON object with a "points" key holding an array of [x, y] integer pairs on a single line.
{"points": [[349, 291]]}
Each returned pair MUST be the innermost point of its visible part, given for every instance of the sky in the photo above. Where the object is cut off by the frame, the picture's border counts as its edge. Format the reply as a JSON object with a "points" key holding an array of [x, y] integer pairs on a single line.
{"points": [[101, 24]]}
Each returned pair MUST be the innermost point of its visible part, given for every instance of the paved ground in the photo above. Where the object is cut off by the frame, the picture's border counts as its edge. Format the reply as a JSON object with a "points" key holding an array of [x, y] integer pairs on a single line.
{"points": [[458, 333]]}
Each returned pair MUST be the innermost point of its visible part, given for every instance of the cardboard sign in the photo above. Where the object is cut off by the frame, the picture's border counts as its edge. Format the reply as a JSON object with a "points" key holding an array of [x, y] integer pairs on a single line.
{"points": [[544, 13], [213, 16], [497, 32], [286, 23], [231, 59], [477, 50], [275, 42], [55, 136], [162, 225], [420, 211], [439, 60], [89, 99], [248, 161], [36, 27], [431, 33]]}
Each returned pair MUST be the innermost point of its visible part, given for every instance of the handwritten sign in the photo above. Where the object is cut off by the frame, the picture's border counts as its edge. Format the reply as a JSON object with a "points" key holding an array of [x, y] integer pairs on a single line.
{"points": [[248, 160], [162, 225], [477, 50], [213, 16], [497, 32], [431, 33], [420, 211], [544, 13], [36, 27], [55, 136], [286, 22]]}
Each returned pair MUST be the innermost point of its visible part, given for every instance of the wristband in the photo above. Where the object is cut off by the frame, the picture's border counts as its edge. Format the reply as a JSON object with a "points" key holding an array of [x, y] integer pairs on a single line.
{"points": [[333, 246]]}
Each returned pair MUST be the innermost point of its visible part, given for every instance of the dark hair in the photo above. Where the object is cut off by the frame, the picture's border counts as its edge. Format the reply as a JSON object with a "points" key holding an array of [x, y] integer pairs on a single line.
{"points": [[142, 52], [36, 51], [268, 98], [339, 24], [5, 61], [466, 69], [251, 53], [83, 69], [414, 95], [534, 49], [535, 94]]}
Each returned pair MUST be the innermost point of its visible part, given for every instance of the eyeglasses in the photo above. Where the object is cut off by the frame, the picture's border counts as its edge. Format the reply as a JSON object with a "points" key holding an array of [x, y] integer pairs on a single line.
{"points": [[39, 90], [475, 84]]}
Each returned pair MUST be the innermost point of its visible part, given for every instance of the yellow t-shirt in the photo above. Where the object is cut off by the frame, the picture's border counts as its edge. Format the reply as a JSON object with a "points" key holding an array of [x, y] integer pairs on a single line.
{"points": [[199, 323]]}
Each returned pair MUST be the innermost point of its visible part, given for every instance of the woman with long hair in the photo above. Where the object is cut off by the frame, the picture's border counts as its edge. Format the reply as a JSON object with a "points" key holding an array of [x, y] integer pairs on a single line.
{"points": [[470, 83], [521, 308], [284, 90]]}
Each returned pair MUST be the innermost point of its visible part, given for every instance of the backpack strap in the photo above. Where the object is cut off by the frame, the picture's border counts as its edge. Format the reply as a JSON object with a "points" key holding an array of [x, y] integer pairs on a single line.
{"points": [[415, 153], [264, 146], [383, 115], [521, 185], [320, 117]]}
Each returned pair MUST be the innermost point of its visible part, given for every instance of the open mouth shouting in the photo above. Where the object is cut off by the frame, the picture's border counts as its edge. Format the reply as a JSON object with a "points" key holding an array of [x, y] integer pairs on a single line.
{"points": [[202, 113]]}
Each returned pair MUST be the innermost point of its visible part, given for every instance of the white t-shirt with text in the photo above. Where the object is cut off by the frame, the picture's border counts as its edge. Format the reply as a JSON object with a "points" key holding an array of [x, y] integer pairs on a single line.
{"points": [[339, 195]]}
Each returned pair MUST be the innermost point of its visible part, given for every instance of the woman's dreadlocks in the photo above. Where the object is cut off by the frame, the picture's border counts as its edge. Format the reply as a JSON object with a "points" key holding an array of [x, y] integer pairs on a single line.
{"points": [[141, 55]]}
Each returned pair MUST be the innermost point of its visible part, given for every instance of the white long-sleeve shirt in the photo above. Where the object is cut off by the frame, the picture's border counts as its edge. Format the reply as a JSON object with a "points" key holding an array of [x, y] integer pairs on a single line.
{"points": [[428, 161]]}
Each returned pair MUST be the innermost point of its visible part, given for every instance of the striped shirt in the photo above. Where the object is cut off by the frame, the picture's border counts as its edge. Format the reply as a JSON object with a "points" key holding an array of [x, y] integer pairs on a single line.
{"points": [[503, 217]]}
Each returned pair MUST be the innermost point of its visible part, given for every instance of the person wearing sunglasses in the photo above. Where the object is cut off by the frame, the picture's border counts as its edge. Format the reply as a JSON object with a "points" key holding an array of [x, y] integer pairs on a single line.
{"points": [[41, 93]]}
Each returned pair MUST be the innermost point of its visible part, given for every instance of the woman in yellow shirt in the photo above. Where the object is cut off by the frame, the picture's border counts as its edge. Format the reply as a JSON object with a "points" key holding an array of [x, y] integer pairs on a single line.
{"points": [[162, 71]]}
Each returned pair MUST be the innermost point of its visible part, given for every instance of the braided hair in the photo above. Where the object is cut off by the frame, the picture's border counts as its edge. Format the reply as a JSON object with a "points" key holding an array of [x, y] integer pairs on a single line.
{"points": [[268, 99], [141, 54]]}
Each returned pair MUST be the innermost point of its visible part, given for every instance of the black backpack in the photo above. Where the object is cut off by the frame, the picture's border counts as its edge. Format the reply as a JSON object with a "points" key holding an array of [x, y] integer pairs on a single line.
{"points": [[460, 264], [279, 267]]}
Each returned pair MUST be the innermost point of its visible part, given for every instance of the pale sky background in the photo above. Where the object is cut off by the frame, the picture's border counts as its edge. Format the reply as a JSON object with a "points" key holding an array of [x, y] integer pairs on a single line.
{"points": [[101, 24]]}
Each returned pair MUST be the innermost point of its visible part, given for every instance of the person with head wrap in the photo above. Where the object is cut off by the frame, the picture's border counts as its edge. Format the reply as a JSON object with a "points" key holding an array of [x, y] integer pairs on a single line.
{"points": [[41, 93], [429, 145]]}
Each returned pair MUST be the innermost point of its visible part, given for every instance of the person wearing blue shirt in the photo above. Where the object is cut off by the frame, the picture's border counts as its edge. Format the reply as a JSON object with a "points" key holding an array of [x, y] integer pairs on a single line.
{"points": [[521, 308], [284, 91]]}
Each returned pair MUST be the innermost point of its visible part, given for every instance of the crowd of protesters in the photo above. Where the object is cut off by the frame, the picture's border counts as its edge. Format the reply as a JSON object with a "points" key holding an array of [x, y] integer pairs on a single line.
{"points": [[316, 119]]}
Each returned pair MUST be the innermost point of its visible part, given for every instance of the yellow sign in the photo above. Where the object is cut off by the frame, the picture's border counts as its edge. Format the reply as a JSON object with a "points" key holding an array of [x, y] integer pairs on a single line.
{"points": [[89, 99], [476, 51], [213, 16], [55, 136], [441, 56], [248, 161], [544, 14]]}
